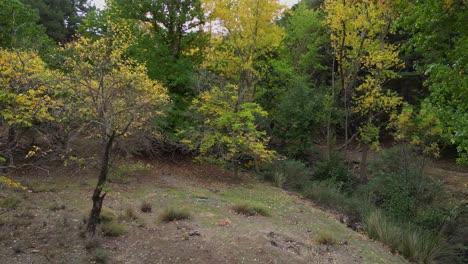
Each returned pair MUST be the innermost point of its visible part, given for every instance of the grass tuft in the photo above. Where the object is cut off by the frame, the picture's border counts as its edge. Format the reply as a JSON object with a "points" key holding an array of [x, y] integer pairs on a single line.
{"points": [[113, 228], [412, 242], [146, 207], [250, 209], [9, 203], [128, 215], [171, 214], [326, 239], [100, 256], [107, 215]]}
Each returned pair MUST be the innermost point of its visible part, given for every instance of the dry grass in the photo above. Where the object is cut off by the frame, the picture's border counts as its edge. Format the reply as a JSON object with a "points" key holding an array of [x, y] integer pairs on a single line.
{"points": [[250, 209], [325, 239], [113, 228], [146, 207], [171, 214]]}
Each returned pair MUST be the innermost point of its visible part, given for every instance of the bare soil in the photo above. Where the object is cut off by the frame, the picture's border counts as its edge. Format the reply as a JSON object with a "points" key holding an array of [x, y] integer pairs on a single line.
{"points": [[46, 223]]}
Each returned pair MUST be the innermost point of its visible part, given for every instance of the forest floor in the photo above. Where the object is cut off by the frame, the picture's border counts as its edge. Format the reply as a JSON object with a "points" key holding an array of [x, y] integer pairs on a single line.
{"points": [[42, 225]]}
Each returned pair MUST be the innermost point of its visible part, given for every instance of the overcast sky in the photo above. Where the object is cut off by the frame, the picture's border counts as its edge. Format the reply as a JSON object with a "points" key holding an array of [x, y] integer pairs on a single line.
{"points": [[289, 3]]}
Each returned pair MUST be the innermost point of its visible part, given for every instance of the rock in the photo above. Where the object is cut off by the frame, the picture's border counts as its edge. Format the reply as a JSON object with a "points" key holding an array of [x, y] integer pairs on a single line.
{"points": [[35, 251], [194, 233]]}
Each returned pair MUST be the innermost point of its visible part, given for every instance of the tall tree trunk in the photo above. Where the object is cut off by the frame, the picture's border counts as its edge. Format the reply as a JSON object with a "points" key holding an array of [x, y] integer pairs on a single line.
{"points": [[330, 106], [363, 165], [95, 215]]}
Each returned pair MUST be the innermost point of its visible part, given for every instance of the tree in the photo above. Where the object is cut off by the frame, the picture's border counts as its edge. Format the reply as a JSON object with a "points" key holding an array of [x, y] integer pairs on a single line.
{"points": [[18, 26], [227, 129], [113, 95], [171, 35], [243, 32], [366, 61], [61, 18], [26, 88], [438, 35]]}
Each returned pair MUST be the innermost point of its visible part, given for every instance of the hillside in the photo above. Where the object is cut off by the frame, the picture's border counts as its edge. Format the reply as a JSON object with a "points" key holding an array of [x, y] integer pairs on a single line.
{"points": [[43, 225]]}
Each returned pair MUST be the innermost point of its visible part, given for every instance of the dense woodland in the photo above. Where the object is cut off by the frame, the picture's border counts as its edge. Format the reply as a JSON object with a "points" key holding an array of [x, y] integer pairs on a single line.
{"points": [[343, 101]]}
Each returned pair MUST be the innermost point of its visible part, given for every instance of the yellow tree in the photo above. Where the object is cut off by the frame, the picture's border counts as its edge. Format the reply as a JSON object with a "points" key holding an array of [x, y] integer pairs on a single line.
{"points": [[243, 31], [366, 61], [112, 94], [25, 88], [227, 130]]}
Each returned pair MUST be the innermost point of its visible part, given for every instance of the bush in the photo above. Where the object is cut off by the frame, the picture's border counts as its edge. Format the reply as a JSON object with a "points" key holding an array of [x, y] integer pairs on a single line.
{"points": [[249, 209], [113, 228], [335, 172], [289, 174], [171, 214], [107, 215], [100, 256], [400, 187], [146, 207]]}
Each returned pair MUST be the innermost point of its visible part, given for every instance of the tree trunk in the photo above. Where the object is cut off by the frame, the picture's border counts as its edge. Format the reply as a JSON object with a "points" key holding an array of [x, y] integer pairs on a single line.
{"points": [[95, 215], [257, 166], [363, 165]]}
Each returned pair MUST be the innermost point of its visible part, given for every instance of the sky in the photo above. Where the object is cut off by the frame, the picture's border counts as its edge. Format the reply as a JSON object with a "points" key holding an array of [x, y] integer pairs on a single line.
{"points": [[289, 3]]}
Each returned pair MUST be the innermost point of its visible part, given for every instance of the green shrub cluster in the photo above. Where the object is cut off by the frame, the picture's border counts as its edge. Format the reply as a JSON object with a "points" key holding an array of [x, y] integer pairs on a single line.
{"points": [[288, 174], [401, 187], [334, 172]]}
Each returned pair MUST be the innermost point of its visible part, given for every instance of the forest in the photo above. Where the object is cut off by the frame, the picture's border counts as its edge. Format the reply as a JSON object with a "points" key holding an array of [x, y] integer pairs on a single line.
{"points": [[358, 106]]}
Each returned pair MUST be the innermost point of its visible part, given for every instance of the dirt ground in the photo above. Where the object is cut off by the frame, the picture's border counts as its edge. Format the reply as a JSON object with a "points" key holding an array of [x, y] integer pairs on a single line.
{"points": [[42, 225]]}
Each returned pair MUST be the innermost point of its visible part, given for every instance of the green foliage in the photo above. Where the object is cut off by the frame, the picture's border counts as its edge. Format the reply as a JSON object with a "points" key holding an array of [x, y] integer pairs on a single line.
{"points": [[170, 214], [60, 17], [289, 174], [169, 35], [307, 42], [330, 197], [227, 128], [19, 28], [412, 242], [298, 114], [400, 186], [335, 173], [249, 209], [438, 36]]}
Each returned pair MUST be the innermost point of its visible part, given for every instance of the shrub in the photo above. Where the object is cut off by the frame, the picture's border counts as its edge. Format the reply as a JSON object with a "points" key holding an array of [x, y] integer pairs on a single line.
{"points": [[100, 256], [325, 239], [146, 207], [171, 214], [330, 197], [400, 187], [289, 174], [335, 172], [113, 228], [107, 215], [249, 209]]}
